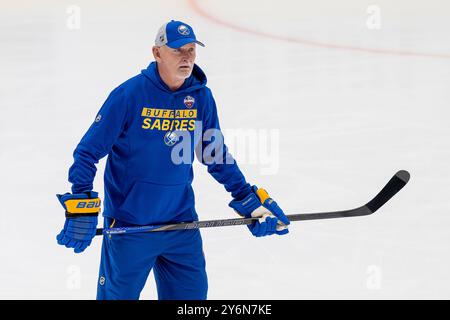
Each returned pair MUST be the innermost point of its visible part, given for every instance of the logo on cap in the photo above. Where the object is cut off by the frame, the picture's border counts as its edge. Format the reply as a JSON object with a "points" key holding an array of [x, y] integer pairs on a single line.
{"points": [[189, 102], [182, 29]]}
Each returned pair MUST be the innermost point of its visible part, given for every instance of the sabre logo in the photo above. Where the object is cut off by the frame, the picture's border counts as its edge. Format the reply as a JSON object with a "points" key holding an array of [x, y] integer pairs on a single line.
{"points": [[170, 138], [89, 204], [183, 30]]}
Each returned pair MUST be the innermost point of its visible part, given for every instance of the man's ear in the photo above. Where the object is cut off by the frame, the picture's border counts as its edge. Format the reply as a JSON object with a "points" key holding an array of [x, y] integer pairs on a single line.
{"points": [[156, 53]]}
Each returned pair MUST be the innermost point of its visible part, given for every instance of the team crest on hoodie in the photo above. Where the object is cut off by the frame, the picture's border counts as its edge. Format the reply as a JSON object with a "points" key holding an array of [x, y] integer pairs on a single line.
{"points": [[189, 102]]}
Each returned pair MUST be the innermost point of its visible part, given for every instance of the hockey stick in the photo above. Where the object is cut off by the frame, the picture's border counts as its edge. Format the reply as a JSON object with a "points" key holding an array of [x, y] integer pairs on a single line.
{"points": [[397, 182]]}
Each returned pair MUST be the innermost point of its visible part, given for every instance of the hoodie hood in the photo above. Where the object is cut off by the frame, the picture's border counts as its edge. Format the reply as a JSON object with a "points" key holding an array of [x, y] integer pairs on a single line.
{"points": [[196, 80]]}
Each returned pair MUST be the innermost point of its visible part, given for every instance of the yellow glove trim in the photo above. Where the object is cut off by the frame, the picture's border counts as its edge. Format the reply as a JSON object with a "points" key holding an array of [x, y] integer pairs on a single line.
{"points": [[77, 206], [262, 194]]}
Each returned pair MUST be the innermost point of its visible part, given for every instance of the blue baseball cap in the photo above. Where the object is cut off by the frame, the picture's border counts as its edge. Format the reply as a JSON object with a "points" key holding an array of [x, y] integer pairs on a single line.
{"points": [[175, 34]]}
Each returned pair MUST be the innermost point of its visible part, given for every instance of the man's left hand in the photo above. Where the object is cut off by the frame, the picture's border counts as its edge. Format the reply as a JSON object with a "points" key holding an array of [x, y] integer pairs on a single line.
{"points": [[258, 204]]}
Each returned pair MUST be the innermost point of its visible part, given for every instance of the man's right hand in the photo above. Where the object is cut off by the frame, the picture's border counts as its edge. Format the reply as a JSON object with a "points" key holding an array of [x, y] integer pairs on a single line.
{"points": [[81, 220]]}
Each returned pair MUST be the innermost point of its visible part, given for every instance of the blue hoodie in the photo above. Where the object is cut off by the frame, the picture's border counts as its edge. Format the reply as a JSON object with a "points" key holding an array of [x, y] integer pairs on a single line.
{"points": [[136, 127]]}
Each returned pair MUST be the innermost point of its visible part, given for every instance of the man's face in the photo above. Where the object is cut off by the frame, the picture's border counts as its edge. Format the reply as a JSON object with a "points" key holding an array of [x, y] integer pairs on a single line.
{"points": [[176, 62]]}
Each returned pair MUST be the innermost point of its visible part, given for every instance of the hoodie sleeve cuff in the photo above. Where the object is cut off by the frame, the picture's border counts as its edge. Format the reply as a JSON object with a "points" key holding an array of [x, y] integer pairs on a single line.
{"points": [[81, 188], [242, 192]]}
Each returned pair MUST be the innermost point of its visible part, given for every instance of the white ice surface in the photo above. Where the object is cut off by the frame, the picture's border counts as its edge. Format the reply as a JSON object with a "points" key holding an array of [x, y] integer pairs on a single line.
{"points": [[347, 119]]}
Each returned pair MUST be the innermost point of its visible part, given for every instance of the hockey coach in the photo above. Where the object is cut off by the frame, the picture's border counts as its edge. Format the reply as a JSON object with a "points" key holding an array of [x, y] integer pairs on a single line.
{"points": [[137, 127]]}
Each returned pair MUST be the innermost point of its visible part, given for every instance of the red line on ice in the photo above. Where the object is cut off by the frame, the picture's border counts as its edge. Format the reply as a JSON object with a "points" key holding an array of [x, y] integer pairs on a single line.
{"points": [[198, 9]]}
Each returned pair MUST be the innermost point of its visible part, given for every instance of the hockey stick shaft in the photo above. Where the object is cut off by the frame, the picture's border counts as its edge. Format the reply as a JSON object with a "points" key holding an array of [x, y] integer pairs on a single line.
{"points": [[395, 184]]}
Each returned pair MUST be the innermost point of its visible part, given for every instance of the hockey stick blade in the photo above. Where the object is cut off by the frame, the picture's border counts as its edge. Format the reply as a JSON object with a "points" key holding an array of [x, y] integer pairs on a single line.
{"points": [[395, 184]]}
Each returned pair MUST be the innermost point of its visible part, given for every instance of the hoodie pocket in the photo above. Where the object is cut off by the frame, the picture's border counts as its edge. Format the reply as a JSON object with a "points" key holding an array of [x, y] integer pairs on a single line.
{"points": [[151, 203]]}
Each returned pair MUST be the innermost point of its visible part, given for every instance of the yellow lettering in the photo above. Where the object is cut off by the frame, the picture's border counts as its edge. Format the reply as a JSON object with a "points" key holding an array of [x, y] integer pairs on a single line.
{"points": [[175, 125], [165, 125], [191, 125], [146, 112], [146, 124], [168, 113], [183, 124], [186, 113], [156, 124]]}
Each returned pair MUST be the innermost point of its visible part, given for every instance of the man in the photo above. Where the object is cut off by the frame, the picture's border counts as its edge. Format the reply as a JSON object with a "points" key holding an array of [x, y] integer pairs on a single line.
{"points": [[137, 127]]}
